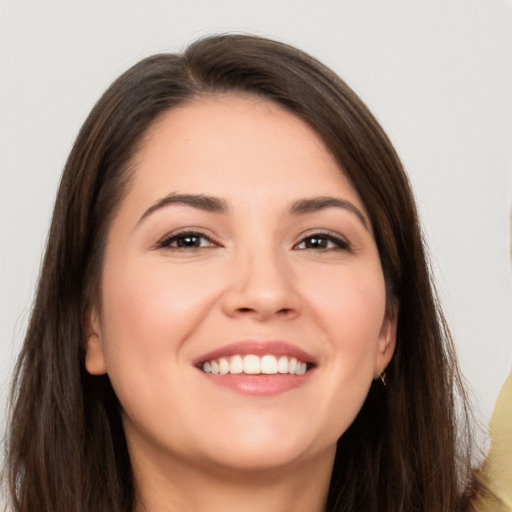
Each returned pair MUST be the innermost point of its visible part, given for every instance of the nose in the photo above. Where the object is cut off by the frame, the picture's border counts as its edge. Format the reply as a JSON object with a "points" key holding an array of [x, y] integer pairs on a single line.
{"points": [[262, 286]]}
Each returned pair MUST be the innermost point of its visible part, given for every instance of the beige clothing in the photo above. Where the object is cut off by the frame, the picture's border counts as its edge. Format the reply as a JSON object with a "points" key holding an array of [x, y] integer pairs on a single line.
{"points": [[497, 469]]}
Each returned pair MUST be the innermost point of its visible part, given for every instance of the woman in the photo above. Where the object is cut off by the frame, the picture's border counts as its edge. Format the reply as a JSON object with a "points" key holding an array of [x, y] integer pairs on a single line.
{"points": [[235, 309]]}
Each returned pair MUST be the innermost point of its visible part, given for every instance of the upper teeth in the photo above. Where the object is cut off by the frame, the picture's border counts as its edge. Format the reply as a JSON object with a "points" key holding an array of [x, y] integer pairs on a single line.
{"points": [[254, 365]]}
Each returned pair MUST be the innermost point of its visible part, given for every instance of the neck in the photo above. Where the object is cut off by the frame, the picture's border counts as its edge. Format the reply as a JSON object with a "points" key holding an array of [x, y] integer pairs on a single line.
{"points": [[175, 486]]}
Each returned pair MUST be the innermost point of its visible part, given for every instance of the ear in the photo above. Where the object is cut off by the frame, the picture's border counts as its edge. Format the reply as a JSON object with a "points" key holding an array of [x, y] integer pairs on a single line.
{"points": [[386, 342], [94, 353]]}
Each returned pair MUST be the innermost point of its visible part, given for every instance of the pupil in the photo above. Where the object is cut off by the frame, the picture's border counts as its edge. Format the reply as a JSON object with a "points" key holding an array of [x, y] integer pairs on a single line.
{"points": [[188, 241], [315, 242]]}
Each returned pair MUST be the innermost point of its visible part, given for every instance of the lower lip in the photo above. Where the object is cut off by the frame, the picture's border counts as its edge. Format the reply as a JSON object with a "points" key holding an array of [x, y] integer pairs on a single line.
{"points": [[259, 385]]}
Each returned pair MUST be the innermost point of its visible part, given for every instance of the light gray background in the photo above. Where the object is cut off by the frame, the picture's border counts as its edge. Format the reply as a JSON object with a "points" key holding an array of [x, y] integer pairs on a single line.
{"points": [[437, 75]]}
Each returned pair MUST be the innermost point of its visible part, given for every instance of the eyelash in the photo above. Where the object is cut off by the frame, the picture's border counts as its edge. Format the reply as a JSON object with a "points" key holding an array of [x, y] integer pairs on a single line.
{"points": [[166, 242], [340, 243]]}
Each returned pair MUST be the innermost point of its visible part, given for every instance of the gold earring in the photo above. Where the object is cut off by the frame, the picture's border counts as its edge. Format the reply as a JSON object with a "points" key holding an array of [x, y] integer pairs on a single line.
{"points": [[382, 377]]}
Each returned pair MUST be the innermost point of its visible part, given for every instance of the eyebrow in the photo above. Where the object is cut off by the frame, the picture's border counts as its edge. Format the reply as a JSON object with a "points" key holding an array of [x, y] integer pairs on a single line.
{"points": [[202, 202], [217, 205], [316, 204]]}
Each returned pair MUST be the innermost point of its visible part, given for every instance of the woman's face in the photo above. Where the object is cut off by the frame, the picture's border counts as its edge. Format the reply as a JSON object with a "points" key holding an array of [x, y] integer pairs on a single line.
{"points": [[240, 247]]}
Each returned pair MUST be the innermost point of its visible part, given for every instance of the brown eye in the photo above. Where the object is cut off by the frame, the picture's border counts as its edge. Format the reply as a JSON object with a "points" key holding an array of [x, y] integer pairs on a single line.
{"points": [[316, 242], [322, 241], [186, 241]]}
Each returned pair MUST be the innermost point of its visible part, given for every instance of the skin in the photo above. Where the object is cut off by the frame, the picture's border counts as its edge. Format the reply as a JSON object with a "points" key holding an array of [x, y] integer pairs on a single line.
{"points": [[196, 445]]}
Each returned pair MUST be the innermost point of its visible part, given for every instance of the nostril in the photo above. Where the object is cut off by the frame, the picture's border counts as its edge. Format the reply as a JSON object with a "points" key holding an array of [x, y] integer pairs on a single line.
{"points": [[280, 312], [260, 304]]}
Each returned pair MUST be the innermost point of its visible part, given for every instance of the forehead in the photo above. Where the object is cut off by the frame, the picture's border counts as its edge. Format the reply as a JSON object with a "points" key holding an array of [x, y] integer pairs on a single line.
{"points": [[236, 146]]}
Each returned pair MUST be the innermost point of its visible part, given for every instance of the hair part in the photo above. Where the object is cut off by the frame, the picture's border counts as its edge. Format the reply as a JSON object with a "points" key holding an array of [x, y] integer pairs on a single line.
{"points": [[66, 448]]}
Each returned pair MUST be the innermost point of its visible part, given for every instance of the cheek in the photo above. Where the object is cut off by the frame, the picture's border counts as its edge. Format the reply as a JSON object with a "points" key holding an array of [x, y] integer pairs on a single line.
{"points": [[350, 304], [144, 301], [148, 315], [350, 308]]}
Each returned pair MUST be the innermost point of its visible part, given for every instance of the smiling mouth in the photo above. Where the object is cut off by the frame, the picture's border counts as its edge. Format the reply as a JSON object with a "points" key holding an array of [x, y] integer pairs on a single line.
{"points": [[251, 364]]}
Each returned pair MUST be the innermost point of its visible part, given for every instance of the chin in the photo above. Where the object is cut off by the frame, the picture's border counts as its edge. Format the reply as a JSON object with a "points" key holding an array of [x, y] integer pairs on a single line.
{"points": [[267, 449], [260, 459]]}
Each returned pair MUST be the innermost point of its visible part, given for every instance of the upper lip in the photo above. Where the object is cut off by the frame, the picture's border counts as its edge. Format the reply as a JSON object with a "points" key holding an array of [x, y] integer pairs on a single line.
{"points": [[257, 348]]}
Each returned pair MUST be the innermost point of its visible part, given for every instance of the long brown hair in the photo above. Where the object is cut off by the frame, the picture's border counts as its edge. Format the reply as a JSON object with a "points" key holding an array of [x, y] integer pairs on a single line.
{"points": [[66, 449]]}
